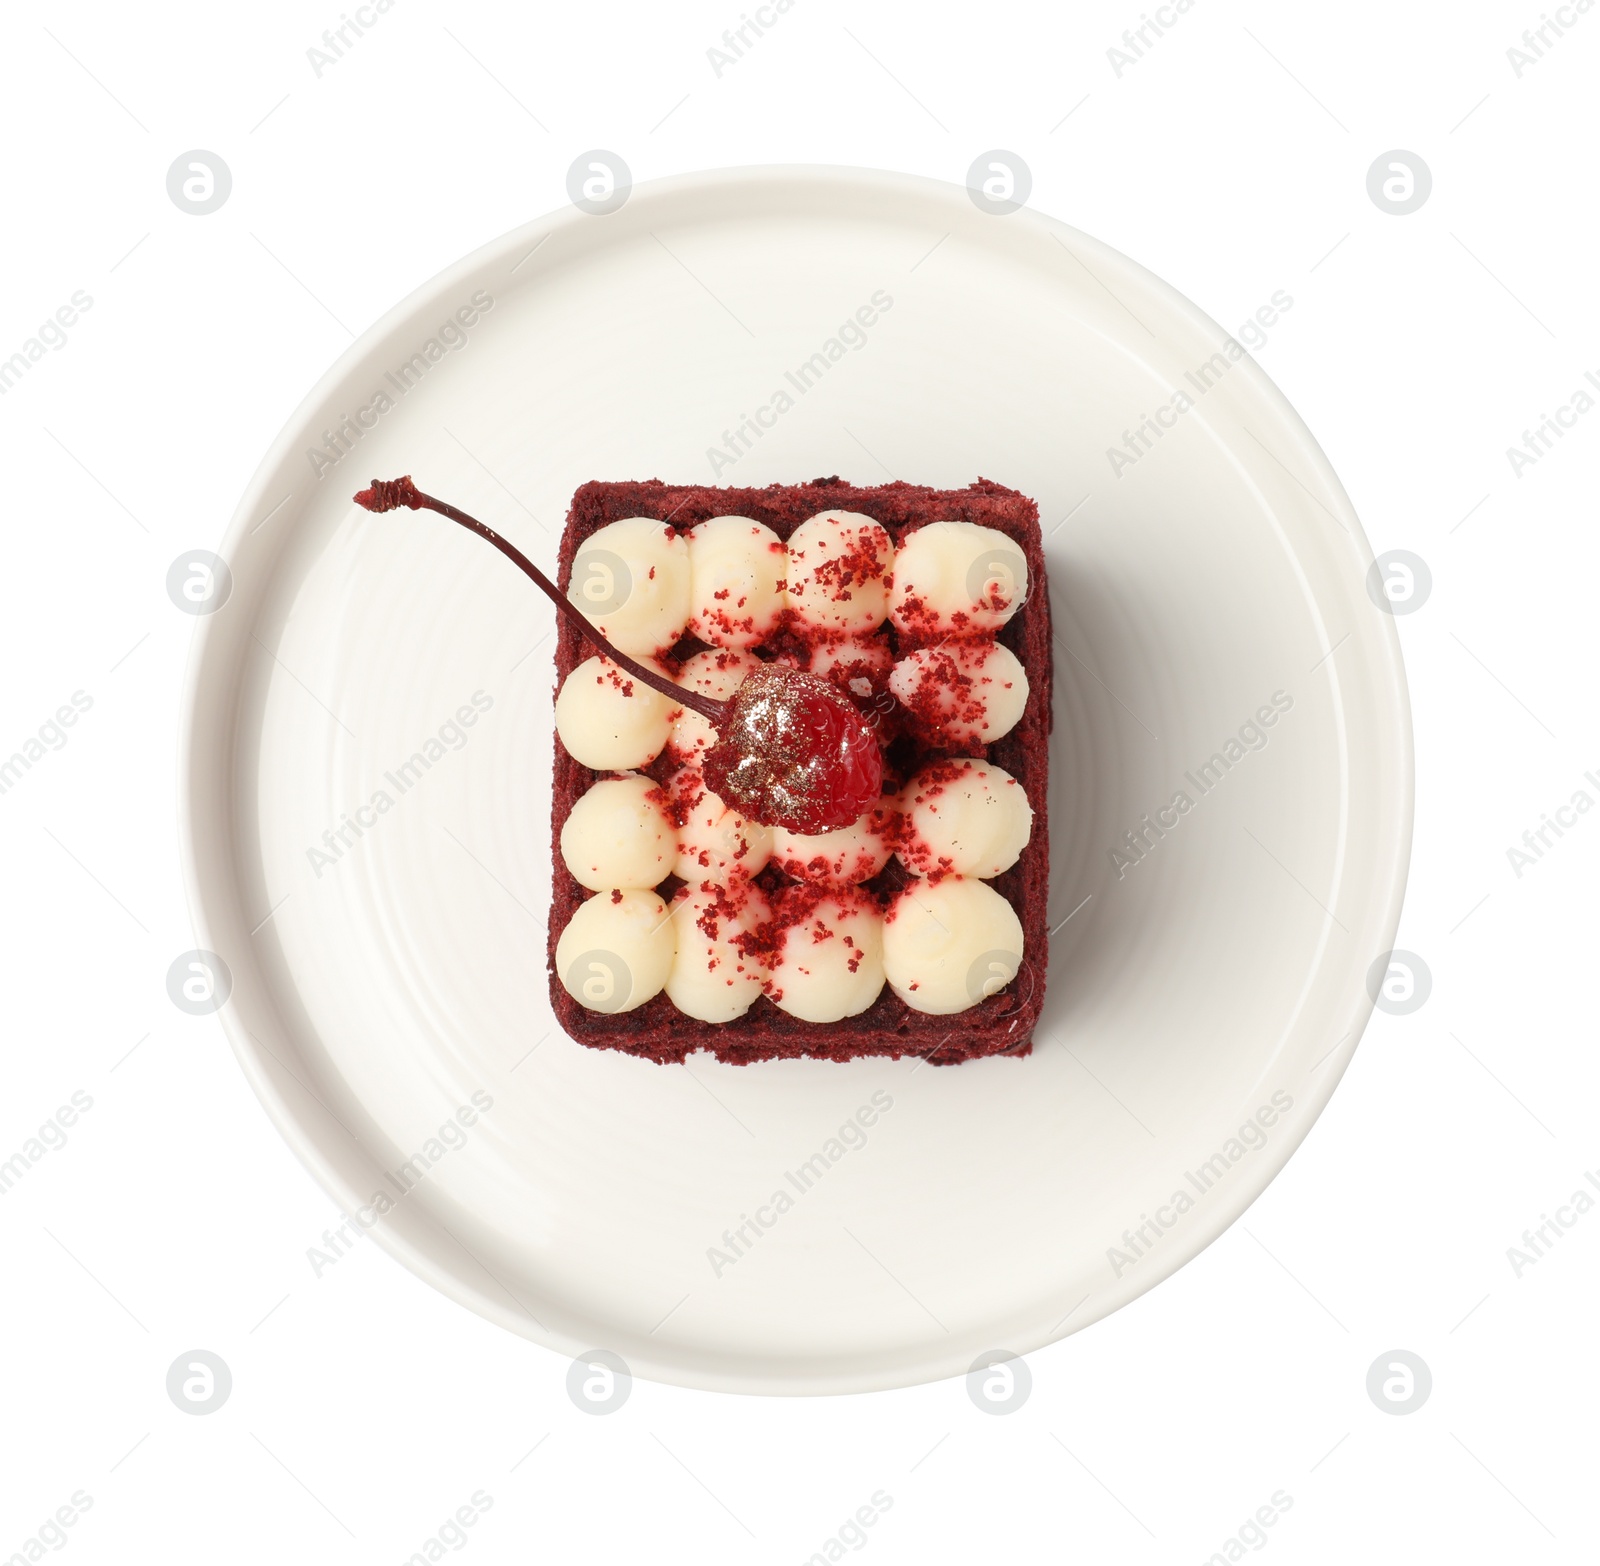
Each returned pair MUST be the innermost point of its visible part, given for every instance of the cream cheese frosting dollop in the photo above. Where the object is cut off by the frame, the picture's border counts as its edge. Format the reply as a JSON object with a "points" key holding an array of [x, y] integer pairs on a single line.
{"points": [[946, 947], [859, 664], [829, 954], [608, 720], [715, 843], [839, 567], [963, 817], [737, 570], [961, 693], [718, 674], [956, 578], [616, 951], [844, 857], [631, 579], [714, 978], [619, 834]]}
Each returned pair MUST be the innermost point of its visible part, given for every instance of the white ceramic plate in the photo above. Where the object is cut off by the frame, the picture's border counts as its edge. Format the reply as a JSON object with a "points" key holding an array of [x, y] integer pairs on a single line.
{"points": [[1219, 983]]}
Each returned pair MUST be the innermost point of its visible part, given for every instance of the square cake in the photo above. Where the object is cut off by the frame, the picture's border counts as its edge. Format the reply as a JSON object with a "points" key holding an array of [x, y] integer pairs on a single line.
{"points": [[918, 930]]}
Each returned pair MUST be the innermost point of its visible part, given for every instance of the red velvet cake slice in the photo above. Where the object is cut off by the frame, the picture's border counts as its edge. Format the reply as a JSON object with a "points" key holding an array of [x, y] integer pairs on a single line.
{"points": [[751, 888]]}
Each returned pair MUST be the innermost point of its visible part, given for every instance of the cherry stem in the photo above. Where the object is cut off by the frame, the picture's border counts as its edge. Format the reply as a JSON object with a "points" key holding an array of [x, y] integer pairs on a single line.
{"points": [[387, 494]]}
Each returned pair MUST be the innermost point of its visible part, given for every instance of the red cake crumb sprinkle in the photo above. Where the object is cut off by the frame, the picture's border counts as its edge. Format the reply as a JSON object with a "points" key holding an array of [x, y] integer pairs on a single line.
{"points": [[932, 779], [860, 562], [922, 625], [680, 794], [929, 786], [610, 673], [917, 623], [821, 868], [726, 906], [948, 704], [724, 918], [854, 568], [860, 665], [721, 623], [797, 907]]}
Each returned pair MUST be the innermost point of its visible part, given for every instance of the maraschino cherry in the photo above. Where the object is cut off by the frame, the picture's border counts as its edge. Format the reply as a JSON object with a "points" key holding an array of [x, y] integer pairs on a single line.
{"points": [[792, 750]]}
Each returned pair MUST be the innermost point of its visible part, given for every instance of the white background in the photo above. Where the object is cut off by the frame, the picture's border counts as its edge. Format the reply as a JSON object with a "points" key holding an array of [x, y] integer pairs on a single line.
{"points": [[1231, 159]]}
